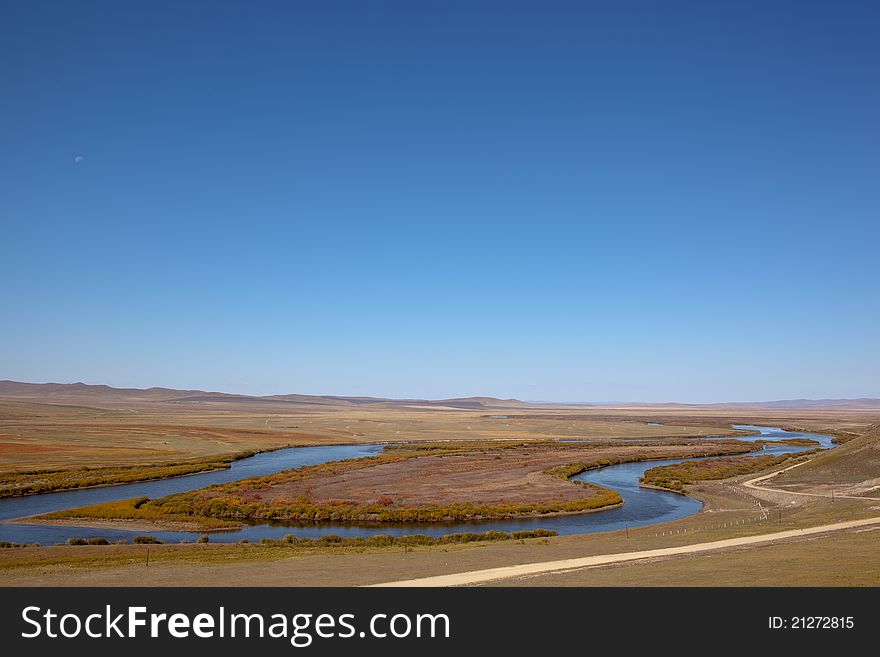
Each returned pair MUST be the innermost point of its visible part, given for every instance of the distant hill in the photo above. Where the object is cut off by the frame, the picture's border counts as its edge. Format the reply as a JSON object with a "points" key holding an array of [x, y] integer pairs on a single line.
{"points": [[843, 404], [79, 391], [102, 395], [82, 393], [861, 404]]}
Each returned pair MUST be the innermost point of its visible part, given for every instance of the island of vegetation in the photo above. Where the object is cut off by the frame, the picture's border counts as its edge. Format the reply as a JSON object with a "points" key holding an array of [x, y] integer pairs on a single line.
{"points": [[424, 482], [790, 442]]}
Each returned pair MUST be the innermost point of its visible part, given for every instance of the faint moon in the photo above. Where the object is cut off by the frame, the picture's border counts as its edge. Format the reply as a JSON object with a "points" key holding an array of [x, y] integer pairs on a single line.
{"points": [[77, 159]]}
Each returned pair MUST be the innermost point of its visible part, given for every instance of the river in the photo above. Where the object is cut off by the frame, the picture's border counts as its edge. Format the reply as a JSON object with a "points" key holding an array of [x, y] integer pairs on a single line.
{"points": [[642, 506]]}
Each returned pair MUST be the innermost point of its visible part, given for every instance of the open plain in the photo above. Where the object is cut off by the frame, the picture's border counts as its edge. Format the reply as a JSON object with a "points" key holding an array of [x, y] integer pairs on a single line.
{"points": [[466, 450]]}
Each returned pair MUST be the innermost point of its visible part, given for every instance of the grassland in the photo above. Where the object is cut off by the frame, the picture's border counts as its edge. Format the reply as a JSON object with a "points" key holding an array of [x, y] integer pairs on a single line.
{"points": [[34, 482], [61, 437], [68, 427], [728, 512], [848, 559], [54, 446], [64, 433], [40, 436]]}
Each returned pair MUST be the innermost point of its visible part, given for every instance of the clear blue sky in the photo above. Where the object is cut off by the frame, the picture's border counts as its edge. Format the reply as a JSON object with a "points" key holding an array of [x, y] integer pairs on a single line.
{"points": [[545, 200]]}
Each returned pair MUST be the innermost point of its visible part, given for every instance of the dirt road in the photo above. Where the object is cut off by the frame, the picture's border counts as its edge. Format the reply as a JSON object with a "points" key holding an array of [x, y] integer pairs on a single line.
{"points": [[506, 572], [753, 483]]}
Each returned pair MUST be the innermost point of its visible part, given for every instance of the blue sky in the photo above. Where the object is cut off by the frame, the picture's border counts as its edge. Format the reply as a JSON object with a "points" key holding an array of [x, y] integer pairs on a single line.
{"points": [[551, 201]]}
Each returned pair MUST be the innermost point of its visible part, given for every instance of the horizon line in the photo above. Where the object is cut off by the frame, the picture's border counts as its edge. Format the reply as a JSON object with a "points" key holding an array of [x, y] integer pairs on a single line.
{"points": [[461, 397]]}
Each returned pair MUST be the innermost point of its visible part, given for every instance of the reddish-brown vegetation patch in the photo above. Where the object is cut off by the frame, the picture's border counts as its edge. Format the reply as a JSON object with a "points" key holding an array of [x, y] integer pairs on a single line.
{"points": [[433, 482], [22, 448], [503, 476]]}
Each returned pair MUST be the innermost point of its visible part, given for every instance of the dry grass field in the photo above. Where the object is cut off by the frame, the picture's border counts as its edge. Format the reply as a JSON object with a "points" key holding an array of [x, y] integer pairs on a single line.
{"points": [[846, 559], [68, 426], [51, 435], [68, 429]]}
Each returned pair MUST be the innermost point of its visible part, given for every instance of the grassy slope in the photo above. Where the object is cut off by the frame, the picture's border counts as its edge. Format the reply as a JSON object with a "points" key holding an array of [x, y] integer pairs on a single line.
{"points": [[855, 461]]}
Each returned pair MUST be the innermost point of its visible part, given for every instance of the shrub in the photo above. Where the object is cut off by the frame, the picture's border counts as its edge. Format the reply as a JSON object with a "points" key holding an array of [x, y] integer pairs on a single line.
{"points": [[385, 540], [535, 533], [203, 539], [381, 540], [331, 539], [98, 540], [75, 540], [146, 540]]}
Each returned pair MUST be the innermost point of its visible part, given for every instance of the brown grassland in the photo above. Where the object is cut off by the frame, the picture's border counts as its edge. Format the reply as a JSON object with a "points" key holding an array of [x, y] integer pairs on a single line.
{"points": [[34, 482], [44, 436], [62, 431], [119, 436]]}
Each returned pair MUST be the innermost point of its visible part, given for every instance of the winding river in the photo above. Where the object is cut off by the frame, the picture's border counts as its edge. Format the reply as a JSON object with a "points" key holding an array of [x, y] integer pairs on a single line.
{"points": [[642, 506]]}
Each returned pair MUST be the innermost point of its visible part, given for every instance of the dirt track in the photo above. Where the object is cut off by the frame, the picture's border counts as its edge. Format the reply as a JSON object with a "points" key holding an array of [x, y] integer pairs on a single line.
{"points": [[753, 483], [506, 572]]}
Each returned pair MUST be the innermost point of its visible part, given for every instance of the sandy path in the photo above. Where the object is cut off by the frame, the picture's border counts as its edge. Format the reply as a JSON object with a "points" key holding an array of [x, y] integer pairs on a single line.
{"points": [[505, 572]]}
